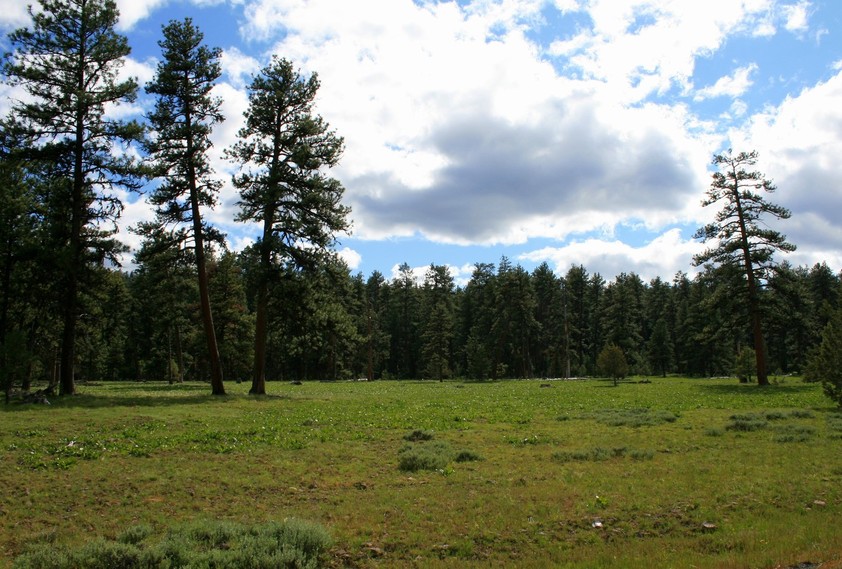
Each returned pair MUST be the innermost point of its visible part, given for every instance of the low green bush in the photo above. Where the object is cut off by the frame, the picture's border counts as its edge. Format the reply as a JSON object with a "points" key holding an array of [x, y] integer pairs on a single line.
{"points": [[419, 435], [432, 456], [747, 422], [292, 544], [632, 417]]}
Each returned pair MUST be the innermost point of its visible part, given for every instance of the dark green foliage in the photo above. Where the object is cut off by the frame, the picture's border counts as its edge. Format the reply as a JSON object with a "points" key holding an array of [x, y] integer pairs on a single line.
{"points": [[284, 151], [612, 363], [419, 435], [825, 363], [438, 322], [292, 544], [745, 365], [68, 63]]}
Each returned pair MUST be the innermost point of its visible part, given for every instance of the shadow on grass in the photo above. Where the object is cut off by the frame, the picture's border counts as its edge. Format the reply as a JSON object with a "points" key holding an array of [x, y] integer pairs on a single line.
{"points": [[754, 390], [137, 394]]}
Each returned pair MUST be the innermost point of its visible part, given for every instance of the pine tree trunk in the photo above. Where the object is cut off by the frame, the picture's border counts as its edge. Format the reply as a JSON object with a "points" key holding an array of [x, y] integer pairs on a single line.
{"points": [[261, 327], [217, 385], [261, 334], [753, 300]]}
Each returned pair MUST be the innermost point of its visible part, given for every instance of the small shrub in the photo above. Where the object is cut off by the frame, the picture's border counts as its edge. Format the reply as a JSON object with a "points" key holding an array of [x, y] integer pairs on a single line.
{"points": [[801, 414], [467, 456], [435, 456], [135, 534], [794, 433], [713, 432], [292, 543], [632, 417], [43, 556], [746, 423], [642, 454], [419, 435]]}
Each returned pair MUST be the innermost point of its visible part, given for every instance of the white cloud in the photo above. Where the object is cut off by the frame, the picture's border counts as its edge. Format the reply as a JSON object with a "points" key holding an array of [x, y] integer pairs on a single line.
{"points": [[796, 16], [13, 14], [658, 258], [133, 11], [732, 85], [351, 257], [458, 129], [643, 47], [143, 71], [239, 67], [799, 143]]}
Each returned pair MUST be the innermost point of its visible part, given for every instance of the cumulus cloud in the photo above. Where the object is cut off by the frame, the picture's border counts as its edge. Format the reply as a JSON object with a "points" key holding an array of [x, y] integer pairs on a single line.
{"points": [[351, 257], [459, 129], [799, 143], [238, 67], [658, 258], [796, 16], [643, 47], [732, 85], [133, 11], [13, 14]]}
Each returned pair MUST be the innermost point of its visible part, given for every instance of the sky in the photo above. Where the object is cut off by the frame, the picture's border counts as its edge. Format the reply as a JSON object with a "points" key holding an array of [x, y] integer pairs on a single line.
{"points": [[571, 132]]}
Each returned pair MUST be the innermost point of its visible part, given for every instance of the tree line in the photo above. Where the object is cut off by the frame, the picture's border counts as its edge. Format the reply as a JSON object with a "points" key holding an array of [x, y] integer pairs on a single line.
{"points": [[325, 323], [286, 308]]}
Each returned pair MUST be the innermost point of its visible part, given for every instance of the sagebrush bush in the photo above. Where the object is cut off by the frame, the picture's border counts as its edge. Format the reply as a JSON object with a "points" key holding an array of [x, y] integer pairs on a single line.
{"points": [[292, 544], [632, 417], [432, 456], [135, 534], [747, 422], [419, 435], [467, 456]]}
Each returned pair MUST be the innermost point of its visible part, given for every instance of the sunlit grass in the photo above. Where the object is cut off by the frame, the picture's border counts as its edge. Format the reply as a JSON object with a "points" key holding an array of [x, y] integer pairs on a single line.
{"points": [[657, 464]]}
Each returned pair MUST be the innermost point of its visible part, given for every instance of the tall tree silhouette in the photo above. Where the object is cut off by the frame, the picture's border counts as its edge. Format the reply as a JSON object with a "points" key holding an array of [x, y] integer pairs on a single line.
{"points": [[283, 150], [742, 238], [184, 115], [67, 62]]}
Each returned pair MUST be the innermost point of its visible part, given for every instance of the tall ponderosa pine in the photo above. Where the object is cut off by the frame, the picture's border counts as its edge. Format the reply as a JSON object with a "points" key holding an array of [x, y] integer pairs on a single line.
{"points": [[741, 236], [283, 150], [184, 115], [68, 63], [438, 326]]}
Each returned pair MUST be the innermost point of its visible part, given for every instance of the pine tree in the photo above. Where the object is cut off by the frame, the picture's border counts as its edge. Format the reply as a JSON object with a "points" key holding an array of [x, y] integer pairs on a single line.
{"points": [[284, 149], [184, 115], [742, 238], [825, 363], [67, 62], [438, 325]]}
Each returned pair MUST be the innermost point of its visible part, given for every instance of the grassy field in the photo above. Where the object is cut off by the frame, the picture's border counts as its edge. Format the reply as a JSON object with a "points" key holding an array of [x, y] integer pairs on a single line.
{"points": [[669, 473]]}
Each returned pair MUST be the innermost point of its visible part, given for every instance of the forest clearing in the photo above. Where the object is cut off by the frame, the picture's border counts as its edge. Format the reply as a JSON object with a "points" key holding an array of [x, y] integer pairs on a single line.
{"points": [[657, 472]]}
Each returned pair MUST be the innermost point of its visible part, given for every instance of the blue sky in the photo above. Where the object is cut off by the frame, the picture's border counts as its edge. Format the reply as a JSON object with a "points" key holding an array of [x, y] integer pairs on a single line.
{"points": [[558, 131]]}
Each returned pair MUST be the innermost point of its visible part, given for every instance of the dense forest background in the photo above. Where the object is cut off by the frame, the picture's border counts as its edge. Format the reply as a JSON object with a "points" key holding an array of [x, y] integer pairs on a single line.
{"points": [[327, 323]]}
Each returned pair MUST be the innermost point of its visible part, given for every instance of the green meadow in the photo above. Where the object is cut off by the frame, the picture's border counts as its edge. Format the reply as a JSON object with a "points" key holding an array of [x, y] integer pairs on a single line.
{"points": [[670, 472]]}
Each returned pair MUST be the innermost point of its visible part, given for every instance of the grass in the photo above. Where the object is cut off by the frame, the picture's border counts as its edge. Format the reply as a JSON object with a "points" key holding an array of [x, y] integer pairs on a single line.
{"points": [[526, 473]]}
